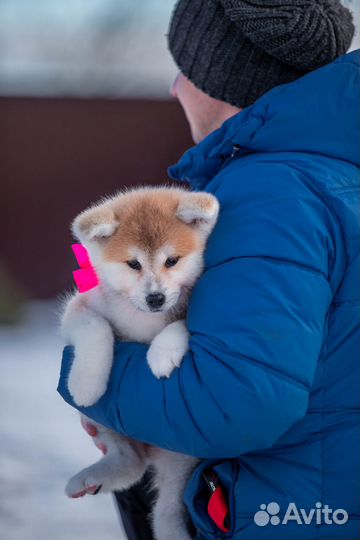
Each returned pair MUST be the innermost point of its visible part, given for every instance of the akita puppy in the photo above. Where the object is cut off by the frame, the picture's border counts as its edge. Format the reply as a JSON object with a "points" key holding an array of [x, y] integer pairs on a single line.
{"points": [[146, 246]]}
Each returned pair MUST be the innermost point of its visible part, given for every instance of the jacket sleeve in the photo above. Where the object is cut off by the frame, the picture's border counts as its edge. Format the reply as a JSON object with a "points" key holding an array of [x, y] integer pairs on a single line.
{"points": [[256, 320]]}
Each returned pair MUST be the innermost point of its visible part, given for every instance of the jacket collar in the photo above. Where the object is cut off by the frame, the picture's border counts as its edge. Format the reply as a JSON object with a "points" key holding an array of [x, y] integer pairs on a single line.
{"points": [[310, 115], [199, 164]]}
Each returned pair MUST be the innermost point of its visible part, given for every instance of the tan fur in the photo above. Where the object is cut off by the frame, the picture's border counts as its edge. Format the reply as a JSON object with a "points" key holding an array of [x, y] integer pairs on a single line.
{"points": [[148, 220], [90, 218]]}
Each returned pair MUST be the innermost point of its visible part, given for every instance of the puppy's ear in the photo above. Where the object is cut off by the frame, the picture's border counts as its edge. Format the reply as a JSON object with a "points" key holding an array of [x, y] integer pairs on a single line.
{"points": [[200, 210], [95, 223]]}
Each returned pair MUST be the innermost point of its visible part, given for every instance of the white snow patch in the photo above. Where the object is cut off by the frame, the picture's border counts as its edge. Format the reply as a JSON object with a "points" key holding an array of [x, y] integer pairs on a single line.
{"points": [[42, 442]]}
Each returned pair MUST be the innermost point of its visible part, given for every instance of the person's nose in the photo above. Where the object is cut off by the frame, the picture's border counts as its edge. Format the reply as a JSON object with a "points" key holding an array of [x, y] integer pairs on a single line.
{"points": [[173, 91]]}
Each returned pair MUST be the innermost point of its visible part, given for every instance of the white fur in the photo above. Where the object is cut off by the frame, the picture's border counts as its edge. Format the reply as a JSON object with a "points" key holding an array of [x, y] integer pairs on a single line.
{"points": [[204, 217], [168, 349], [103, 230], [93, 339], [118, 306]]}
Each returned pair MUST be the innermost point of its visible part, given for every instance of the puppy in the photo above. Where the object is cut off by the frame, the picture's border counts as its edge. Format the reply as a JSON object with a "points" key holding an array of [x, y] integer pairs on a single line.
{"points": [[147, 247]]}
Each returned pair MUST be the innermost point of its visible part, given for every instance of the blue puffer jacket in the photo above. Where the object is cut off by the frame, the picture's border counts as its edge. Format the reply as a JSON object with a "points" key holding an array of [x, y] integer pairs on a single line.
{"points": [[269, 391]]}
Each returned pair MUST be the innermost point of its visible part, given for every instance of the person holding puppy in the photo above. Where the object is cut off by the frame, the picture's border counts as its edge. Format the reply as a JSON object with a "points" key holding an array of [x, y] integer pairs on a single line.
{"points": [[268, 393]]}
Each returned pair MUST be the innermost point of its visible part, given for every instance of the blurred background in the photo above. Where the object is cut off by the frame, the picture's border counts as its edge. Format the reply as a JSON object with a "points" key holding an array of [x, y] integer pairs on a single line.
{"points": [[84, 110]]}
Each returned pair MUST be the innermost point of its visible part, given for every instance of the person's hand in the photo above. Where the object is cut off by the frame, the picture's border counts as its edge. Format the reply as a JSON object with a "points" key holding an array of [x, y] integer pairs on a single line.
{"points": [[95, 431]]}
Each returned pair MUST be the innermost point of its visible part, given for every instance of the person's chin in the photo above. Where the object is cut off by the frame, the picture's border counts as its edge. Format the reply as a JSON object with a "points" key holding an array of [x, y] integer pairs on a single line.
{"points": [[196, 136]]}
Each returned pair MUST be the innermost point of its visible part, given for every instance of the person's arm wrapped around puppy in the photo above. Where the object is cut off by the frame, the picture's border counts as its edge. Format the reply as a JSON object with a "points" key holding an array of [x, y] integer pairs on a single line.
{"points": [[256, 319]]}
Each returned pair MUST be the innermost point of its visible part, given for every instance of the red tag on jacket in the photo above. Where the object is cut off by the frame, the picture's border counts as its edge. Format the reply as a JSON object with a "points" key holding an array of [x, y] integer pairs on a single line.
{"points": [[218, 509]]}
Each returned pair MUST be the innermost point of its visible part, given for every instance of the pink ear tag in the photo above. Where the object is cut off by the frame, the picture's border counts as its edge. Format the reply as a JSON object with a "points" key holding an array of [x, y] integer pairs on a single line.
{"points": [[85, 278]]}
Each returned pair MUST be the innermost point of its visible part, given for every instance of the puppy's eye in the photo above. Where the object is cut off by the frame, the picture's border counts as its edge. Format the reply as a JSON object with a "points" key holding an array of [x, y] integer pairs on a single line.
{"points": [[171, 261], [135, 265]]}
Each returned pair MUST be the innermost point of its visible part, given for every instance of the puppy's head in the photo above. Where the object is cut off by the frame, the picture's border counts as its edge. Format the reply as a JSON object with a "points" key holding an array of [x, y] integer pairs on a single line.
{"points": [[148, 244]]}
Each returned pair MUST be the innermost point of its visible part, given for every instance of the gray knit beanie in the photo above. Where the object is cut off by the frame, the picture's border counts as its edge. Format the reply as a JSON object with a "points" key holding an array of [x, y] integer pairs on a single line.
{"points": [[236, 50]]}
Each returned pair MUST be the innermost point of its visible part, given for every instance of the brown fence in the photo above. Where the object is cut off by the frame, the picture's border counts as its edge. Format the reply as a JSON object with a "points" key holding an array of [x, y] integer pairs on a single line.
{"points": [[57, 156]]}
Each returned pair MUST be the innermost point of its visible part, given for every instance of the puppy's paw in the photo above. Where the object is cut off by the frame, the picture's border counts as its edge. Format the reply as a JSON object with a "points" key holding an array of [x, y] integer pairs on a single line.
{"points": [[82, 484], [119, 469], [84, 386], [85, 390], [93, 341], [167, 349], [163, 361], [85, 393]]}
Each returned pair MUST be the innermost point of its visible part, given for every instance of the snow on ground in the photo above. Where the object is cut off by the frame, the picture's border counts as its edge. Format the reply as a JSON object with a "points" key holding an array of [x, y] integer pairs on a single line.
{"points": [[42, 443]]}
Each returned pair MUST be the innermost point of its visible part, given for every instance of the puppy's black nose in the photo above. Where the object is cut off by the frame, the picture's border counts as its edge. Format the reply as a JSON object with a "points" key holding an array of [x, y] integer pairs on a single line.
{"points": [[155, 300]]}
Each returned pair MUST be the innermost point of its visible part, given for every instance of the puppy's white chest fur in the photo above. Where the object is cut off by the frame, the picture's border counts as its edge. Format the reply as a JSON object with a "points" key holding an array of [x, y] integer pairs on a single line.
{"points": [[129, 323]]}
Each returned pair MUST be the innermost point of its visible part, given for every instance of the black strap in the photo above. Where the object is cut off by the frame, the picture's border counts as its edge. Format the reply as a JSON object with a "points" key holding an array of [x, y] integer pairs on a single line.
{"points": [[134, 507]]}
